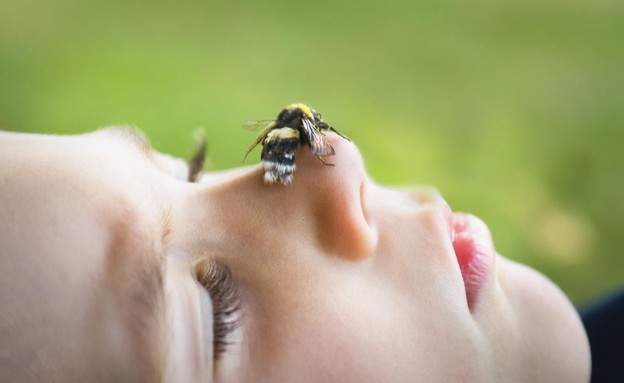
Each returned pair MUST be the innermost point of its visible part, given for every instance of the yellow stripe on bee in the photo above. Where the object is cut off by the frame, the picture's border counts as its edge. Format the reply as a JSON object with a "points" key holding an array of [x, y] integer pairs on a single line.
{"points": [[282, 133], [304, 108]]}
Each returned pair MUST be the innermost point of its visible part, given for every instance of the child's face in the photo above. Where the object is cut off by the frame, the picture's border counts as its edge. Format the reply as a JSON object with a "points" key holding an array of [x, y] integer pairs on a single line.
{"points": [[338, 279]]}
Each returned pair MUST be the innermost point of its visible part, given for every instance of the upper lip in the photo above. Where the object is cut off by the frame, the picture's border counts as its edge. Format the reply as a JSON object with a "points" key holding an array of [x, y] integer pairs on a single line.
{"points": [[432, 196]]}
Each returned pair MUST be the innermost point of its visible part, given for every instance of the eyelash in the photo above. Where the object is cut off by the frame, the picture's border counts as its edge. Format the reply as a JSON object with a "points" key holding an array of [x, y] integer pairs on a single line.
{"points": [[196, 163], [218, 281]]}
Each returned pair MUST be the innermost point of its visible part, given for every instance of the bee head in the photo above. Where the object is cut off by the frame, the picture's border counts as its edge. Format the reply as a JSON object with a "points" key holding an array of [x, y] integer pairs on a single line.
{"points": [[299, 110], [317, 117]]}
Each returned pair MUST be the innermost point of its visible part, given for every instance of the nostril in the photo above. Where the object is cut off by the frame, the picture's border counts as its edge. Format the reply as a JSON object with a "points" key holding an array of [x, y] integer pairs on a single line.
{"points": [[340, 199], [344, 229], [372, 234], [364, 203]]}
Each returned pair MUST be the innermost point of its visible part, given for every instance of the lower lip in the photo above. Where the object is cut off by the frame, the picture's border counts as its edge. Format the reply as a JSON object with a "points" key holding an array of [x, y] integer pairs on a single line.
{"points": [[475, 253]]}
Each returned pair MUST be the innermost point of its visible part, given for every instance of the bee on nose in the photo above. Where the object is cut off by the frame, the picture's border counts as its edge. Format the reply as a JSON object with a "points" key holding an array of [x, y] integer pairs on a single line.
{"points": [[296, 125]]}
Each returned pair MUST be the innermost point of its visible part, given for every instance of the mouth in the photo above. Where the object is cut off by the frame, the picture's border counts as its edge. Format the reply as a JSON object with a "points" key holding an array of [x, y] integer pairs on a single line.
{"points": [[475, 253]]}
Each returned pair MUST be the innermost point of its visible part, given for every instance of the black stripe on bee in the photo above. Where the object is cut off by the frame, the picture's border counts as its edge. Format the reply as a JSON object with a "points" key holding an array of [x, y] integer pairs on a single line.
{"points": [[278, 158]]}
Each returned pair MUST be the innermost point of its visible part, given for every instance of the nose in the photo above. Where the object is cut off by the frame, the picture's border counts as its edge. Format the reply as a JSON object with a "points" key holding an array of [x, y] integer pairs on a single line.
{"points": [[345, 163], [324, 204], [337, 198]]}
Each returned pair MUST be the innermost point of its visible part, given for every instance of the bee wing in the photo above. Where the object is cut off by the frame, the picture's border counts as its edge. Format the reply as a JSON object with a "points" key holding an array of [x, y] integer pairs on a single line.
{"points": [[265, 125], [258, 125], [318, 143]]}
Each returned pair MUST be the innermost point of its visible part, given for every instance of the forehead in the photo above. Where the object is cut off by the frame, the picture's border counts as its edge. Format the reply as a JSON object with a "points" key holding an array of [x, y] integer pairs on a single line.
{"points": [[95, 254]]}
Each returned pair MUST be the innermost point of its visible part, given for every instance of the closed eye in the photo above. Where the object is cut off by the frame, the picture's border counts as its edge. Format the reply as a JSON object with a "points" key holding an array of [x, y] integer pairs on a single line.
{"points": [[217, 279]]}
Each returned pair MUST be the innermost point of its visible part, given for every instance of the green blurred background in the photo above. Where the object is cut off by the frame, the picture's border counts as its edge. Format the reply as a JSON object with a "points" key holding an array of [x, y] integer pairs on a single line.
{"points": [[513, 109]]}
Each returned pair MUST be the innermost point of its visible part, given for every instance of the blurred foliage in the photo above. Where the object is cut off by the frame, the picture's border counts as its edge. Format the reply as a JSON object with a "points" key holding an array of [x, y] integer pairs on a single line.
{"points": [[514, 109]]}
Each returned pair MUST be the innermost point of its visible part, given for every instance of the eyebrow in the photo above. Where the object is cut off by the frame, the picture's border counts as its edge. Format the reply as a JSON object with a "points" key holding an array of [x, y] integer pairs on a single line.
{"points": [[137, 139], [130, 135]]}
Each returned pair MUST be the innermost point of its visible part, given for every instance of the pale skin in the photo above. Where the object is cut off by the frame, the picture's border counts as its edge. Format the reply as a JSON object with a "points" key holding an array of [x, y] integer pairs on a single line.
{"points": [[338, 279]]}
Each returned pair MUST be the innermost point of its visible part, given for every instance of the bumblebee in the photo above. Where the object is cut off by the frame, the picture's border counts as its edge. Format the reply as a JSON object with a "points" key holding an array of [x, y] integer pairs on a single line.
{"points": [[296, 125]]}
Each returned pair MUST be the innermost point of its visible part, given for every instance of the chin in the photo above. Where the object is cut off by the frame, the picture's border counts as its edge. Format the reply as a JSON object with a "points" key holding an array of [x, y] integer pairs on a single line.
{"points": [[552, 339]]}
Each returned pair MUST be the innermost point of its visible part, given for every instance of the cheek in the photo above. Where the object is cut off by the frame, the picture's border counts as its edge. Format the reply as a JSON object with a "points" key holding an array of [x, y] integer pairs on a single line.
{"points": [[324, 337], [356, 329]]}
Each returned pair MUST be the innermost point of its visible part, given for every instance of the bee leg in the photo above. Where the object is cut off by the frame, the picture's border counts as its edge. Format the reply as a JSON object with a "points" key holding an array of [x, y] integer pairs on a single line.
{"points": [[323, 161], [340, 134]]}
